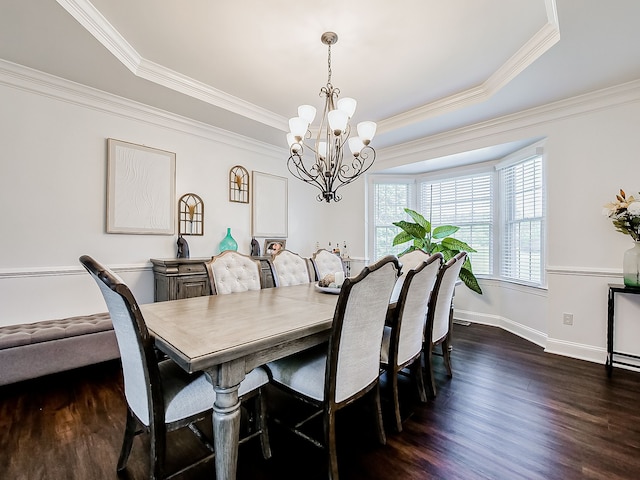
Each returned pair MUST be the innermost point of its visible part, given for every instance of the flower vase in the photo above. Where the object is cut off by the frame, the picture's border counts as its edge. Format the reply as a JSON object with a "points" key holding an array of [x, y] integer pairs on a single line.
{"points": [[228, 242], [631, 266]]}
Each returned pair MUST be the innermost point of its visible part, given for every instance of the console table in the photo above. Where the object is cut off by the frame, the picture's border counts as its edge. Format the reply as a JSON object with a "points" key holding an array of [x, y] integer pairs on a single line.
{"points": [[613, 289], [177, 278]]}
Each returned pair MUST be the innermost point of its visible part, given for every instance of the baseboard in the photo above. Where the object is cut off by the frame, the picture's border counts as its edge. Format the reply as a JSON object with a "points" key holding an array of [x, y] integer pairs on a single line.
{"points": [[550, 345], [516, 328]]}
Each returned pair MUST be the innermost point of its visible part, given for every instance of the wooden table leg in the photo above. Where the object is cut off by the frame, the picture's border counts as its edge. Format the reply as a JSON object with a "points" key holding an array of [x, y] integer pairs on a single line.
{"points": [[226, 380]]}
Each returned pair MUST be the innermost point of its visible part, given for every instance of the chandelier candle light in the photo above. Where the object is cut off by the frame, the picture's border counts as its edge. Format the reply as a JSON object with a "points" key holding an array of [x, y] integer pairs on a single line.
{"points": [[326, 169]]}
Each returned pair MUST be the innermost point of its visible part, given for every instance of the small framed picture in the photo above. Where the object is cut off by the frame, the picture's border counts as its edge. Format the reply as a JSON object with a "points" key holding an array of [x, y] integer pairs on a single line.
{"points": [[274, 245]]}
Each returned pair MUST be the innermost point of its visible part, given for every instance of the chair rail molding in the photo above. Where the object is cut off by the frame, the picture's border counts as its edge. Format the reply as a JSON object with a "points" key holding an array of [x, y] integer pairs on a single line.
{"points": [[584, 271]]}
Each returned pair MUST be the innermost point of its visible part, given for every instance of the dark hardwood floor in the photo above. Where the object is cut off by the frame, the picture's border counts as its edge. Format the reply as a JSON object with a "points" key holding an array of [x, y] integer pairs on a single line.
{"points": [[510, 412]]}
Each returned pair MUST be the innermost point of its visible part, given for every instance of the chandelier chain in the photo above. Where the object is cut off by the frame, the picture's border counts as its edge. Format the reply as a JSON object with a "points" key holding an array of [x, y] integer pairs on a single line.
{"points": [[324, 165], [329, 66]]}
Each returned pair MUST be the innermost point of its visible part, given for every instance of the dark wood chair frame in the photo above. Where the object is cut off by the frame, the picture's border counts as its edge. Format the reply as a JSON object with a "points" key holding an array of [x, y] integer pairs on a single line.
{"points": [[414, 364], [158, 428], [328, 407], [445, 341]]}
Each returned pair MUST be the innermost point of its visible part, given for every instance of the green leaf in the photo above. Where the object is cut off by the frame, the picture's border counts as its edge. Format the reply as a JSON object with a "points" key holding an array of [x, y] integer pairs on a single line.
{"points": [[470, 280], [420, 244], [455, 244], [467, 264], [444, 231], [401, 238], [419, 219], [447, 254], [413, 229]]}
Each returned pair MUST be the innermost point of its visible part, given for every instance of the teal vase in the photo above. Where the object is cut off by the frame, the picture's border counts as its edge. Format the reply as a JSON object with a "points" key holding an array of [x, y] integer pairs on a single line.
{"points": [[228, 242]]}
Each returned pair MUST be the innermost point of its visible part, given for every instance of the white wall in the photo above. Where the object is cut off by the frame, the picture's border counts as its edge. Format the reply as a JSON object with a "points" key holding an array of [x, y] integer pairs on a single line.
{"points": [[53, 193]]}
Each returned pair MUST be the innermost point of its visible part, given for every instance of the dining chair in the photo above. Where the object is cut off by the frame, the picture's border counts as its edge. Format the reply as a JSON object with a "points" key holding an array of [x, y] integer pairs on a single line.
{"points": [[290, 269], [440, 318], [331, 376], [325, 262], [233, 272], [402, 342], [409, 261], [161, 397]]}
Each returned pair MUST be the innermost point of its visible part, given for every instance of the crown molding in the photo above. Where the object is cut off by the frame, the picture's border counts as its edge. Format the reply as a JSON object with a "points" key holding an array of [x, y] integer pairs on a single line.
{"points": [[37, 82], [533, 49], [98, 26], [436, 145]]}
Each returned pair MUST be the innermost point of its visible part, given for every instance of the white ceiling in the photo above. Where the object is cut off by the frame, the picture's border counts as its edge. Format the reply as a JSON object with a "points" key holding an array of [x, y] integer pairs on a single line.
{"points": [[416, 67]]}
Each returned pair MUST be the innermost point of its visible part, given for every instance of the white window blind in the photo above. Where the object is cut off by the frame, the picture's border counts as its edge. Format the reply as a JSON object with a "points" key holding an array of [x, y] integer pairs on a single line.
{"points": [[465, 202], [523, 222], [389, 202]]}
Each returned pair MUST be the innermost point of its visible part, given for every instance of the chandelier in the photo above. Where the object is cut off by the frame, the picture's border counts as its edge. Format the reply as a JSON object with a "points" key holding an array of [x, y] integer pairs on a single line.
{"points": [[324, 166]]}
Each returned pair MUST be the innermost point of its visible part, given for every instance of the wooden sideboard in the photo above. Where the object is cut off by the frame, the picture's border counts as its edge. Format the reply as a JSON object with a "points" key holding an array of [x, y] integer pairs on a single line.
{"points": [[176, 278]]}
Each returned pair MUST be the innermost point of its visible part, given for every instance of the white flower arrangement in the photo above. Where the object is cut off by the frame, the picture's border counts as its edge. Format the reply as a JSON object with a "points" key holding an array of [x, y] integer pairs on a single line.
{"points": [[625, 214]]}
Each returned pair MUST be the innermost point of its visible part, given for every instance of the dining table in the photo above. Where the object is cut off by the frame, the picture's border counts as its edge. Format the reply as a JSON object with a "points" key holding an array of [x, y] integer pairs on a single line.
{"points": [[226, 336]]}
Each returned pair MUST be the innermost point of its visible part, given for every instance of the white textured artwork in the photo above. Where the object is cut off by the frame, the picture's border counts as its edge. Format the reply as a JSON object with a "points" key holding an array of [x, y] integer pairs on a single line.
{"points": [[141, 189]]}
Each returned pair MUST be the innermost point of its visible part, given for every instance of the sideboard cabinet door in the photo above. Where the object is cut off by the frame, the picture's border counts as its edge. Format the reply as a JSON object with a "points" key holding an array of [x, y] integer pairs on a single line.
{"points": [[176, 278]]}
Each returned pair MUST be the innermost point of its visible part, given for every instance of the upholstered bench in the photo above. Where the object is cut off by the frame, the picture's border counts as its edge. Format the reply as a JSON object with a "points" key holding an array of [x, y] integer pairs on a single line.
{"points": [[35, 349]]}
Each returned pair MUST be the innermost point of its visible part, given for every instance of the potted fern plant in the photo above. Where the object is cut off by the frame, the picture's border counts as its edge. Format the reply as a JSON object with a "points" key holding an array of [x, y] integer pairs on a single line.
{"points": [[430, 240]]}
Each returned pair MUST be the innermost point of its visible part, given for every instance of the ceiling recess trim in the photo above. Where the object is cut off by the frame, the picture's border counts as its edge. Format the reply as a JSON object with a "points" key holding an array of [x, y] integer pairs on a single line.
{"points": [[535, 47], [97, 25]]}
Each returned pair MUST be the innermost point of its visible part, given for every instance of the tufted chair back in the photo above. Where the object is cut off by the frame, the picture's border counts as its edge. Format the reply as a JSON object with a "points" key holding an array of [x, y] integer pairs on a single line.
{"points": [[325, 262], [233, 272], [291, 268]]}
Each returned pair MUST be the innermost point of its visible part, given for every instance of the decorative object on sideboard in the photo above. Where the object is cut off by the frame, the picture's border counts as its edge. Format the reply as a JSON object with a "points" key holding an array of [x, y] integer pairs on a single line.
{"points": [[183, 248], [255, 247], [325, 168], [274, 245], [140, 189], [190, 215], [228, 242], [625, 215], [239, 185]]}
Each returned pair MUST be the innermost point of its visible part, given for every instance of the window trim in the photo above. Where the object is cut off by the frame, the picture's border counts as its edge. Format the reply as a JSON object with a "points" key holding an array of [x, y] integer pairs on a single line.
{"points": [[535, 149]]}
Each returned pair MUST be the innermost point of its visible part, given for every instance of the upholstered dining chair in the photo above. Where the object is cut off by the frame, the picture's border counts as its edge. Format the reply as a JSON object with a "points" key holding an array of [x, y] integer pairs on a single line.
{"points": [[161, 397], [325, 262], [334, 375], [402, 341], [409, 261], [290, 269], [440, 318], [233, 272]]}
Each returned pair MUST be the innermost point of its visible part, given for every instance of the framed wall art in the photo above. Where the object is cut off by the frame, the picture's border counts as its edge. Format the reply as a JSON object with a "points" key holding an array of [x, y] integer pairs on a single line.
{"points": [[140, 189], [269, 207], [239, 184], [190, 215]]}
